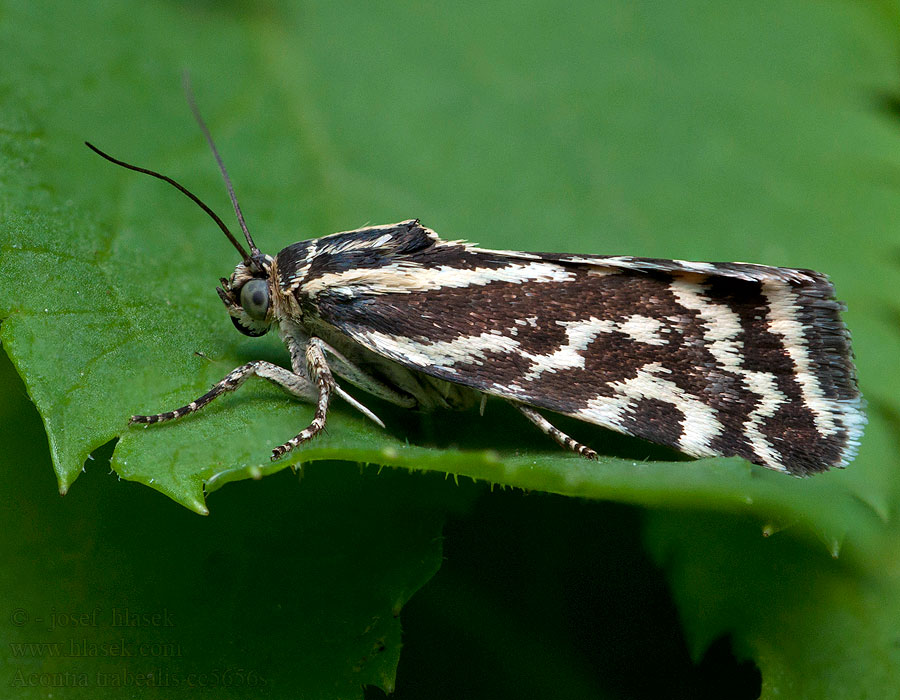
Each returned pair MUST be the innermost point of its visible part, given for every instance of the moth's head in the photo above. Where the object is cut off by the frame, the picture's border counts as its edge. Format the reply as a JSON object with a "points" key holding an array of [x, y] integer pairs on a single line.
{"points": [[248, 295], [249, 292]]}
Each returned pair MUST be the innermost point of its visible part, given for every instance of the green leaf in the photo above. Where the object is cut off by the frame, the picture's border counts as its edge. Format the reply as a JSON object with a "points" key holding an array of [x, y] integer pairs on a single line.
{"points": [[114, 590], [817, 627], [671, 130]]}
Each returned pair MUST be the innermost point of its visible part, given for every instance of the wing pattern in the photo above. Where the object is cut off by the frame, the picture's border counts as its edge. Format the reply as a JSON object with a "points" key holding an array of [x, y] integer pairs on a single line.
{"points": [[708, 358]]}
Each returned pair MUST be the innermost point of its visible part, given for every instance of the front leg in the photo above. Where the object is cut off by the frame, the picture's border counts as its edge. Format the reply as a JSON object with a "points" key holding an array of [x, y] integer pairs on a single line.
{"points": [[317, 367], [318, 390], [313, 383], [292, 383]]}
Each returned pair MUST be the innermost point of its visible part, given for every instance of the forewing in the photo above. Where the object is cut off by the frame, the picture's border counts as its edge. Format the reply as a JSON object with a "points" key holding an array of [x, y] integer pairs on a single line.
{"points": [[708, 358]]}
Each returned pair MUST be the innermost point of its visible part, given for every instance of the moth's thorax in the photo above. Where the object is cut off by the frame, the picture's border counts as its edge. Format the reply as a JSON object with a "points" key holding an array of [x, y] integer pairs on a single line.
{"points": [[283, 303], [330, 260], [292, 264]]}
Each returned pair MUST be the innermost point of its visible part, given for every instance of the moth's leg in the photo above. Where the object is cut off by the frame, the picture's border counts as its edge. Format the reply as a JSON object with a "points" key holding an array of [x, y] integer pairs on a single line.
{"points": [[292, 383], [299, 363], [345, 369], [558, 435], [317, 367]]}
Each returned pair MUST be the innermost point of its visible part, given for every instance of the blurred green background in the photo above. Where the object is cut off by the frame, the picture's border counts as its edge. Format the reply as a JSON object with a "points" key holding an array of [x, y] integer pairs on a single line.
{"points": [[766, 132]]}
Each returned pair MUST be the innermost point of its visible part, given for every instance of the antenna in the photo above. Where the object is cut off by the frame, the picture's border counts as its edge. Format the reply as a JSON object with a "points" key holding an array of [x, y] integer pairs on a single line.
{"points": [[183, 190], [189, 94]]}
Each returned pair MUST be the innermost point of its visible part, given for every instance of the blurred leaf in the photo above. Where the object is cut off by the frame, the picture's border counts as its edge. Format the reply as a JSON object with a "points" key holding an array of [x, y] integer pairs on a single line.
{"points": [[114, 589], [817, 627]]}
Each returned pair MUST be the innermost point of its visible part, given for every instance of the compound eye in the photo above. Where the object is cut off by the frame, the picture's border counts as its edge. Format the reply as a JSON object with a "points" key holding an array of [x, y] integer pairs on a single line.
{"points": [[255, 299]]}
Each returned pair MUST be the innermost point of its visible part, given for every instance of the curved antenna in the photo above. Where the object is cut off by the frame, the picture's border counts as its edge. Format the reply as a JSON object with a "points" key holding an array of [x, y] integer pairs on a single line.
{"points": [[181, 189], [186, 82]]}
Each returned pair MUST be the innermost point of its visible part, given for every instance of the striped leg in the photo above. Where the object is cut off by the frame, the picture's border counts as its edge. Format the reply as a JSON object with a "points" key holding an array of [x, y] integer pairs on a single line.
{"points": [[287, 380], [317, 366], [353, 374], [317, 391], [345, 369], [558, 435]]}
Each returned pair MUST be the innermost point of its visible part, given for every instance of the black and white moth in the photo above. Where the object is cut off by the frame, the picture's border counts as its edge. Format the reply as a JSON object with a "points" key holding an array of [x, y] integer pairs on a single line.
{"points": [[712, 359]]}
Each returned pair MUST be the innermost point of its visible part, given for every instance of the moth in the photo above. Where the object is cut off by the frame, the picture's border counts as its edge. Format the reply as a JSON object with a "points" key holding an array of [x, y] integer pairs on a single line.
{"points": [[712, 359]]}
